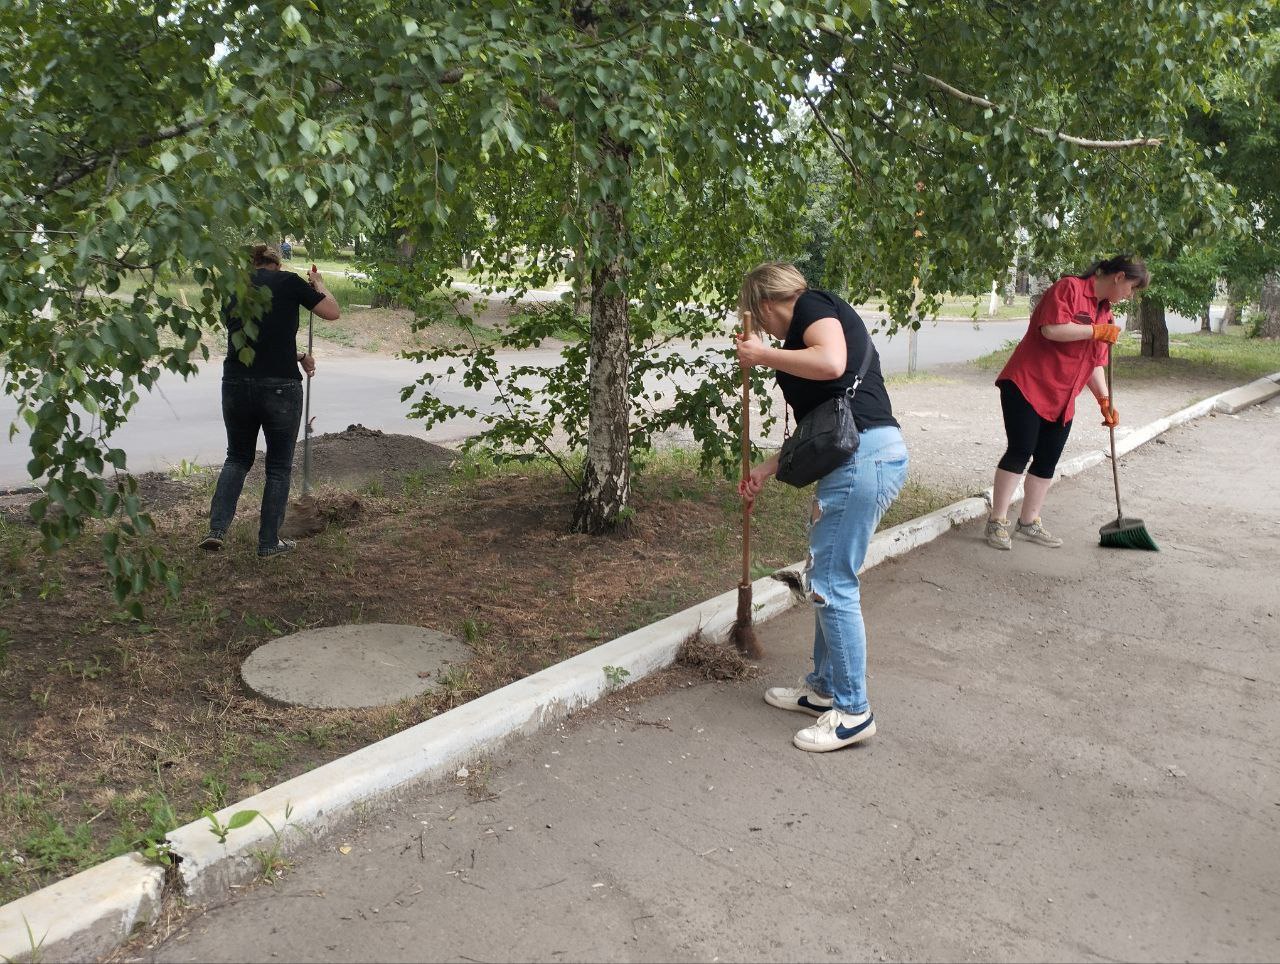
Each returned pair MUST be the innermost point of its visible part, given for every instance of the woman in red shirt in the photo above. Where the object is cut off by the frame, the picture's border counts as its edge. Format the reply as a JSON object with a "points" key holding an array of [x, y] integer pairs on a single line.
{"points": [[1064, 349]]}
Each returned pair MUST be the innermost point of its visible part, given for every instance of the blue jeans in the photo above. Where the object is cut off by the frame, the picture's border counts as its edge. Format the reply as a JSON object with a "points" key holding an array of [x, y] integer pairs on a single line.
{"points": [[847, 506], [273, 405]]}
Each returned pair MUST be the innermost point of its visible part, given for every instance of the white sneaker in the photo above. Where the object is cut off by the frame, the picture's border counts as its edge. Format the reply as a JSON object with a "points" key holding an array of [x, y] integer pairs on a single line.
{"points": [[835, 730], [799, 698]]}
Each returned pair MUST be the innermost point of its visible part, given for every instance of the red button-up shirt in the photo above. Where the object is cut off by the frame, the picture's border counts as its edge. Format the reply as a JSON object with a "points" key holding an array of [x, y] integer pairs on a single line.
{"points": [[1050, 374]]}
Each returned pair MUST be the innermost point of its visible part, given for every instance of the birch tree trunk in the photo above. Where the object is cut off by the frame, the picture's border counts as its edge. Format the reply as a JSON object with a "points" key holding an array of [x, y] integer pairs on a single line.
{"points": [[606, 476]]}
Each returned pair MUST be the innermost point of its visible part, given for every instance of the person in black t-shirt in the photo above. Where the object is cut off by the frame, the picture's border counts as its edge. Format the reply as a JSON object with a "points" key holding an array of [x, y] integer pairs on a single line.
{"points": [[823, 346], [265, 394]]}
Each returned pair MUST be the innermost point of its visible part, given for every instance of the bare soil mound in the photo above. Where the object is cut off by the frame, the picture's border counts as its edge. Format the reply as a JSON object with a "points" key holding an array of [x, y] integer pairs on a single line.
{"points": [[351, 459], [360, 455]]}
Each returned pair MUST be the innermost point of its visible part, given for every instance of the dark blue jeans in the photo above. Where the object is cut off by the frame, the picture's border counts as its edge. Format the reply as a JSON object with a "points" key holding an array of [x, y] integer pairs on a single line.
{"points": [[273, 405]]}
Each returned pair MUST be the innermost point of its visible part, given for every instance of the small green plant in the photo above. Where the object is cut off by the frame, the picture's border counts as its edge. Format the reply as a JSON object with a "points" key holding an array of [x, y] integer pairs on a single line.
{"points": [[35, 952], [471, 631], [261, 624], [271, 862], [6, 640], [1254, 323], [86, 671], [616, 675], [41, 699], [241, 818], [414, 484], [184, 470], [216, 788]]}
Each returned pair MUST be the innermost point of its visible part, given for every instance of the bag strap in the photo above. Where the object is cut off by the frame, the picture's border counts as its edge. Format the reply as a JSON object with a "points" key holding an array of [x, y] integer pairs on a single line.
{"points": [[862, 369], [848, 392]]}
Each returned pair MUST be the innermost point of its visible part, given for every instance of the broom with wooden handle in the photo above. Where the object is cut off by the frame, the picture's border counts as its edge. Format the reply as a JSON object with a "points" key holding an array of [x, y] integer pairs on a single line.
{"points": [[744, 635], [1123, 533]]}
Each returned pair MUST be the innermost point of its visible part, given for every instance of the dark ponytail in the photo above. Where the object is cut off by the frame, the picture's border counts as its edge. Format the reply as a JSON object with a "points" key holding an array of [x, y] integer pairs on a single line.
{"points": [[1129, 264], [261, 255]]}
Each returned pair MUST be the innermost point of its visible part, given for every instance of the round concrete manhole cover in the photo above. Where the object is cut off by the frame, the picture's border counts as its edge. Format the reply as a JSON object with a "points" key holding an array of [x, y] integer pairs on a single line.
{"points": [[344, 667]]}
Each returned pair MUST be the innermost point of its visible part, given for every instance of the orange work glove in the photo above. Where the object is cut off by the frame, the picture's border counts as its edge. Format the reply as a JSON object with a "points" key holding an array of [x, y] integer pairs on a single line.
{"points": [[1110, 417], [1108, 333]]}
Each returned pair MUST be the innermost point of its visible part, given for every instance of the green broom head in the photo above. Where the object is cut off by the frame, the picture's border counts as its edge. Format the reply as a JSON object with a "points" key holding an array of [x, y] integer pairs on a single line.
{"points": [[1127, 534]]}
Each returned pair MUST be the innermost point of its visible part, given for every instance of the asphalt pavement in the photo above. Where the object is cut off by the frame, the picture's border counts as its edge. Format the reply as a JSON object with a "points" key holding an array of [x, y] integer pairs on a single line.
{"points": [[1075, 761]]}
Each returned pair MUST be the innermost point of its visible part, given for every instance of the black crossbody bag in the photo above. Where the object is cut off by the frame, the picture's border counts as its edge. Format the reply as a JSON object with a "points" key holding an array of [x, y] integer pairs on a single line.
{"points": [[824, 439]]}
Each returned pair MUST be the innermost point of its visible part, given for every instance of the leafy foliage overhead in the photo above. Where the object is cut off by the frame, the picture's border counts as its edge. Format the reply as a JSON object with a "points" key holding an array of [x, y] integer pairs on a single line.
{"points": [[149, 137]]}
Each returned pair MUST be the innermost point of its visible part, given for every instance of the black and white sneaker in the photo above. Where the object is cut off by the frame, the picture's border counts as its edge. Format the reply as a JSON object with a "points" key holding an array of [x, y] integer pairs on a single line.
{"points": [[213, 541], [835, 730], [798, 698]]}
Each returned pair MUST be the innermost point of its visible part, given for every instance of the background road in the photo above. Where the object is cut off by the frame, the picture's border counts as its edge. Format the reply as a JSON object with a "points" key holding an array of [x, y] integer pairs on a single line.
{"points": [[183, 419]]}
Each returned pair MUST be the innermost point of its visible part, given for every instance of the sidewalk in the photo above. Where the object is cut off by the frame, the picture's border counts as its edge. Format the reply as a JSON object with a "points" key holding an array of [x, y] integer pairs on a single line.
{"points": [[1076, 761]]}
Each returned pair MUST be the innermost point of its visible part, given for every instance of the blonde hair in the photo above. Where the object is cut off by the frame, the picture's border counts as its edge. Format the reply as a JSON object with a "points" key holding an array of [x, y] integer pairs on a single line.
{"points": [[771, 281]]}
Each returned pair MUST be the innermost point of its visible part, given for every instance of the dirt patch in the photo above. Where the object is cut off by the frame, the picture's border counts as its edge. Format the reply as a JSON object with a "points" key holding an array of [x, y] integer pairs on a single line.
{"points": [[117, 730]]}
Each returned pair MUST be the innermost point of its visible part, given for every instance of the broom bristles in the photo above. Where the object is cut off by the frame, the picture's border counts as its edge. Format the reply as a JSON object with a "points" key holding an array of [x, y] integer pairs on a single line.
{"points": [[743, 634], [1127, 534]]}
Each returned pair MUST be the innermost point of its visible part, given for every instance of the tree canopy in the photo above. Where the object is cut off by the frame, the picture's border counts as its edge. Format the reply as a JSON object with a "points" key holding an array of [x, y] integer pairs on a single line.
{"points": [[660, 147]]}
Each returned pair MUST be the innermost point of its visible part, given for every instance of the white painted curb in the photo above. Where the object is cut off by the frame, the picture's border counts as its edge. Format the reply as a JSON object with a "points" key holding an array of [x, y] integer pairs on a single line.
{"points": [[85, 916], [90, 913], [438, 747]]}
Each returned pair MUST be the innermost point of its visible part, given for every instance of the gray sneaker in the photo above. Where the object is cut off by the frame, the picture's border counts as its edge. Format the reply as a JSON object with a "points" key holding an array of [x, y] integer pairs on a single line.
{"points": [[1037, 533], [998, 534], [281, 547]]}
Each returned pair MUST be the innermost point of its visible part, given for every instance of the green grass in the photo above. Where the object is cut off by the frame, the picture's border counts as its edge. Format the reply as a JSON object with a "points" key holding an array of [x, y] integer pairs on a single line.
{"points": [[1230, 356], [971, 306], [917, 378]]}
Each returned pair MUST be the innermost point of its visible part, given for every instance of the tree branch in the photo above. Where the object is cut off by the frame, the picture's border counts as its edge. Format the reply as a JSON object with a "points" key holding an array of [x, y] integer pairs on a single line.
{"points": [[977, 101], [85, 168], [831, 136]]}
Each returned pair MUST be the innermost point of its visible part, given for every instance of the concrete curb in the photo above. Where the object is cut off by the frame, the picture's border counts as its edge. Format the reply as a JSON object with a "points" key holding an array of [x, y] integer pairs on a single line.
{"points": [[84, 916], [90, 913], [306, 805]]}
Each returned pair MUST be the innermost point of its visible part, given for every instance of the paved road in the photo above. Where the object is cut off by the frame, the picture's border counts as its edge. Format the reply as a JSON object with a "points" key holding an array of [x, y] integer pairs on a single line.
{"points": [[1076, 761], [182, 419]]}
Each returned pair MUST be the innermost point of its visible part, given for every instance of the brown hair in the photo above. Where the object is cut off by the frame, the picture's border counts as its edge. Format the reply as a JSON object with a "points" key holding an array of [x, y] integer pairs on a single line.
{"points": [[771, 281], [1130, 265], [262, 255]]}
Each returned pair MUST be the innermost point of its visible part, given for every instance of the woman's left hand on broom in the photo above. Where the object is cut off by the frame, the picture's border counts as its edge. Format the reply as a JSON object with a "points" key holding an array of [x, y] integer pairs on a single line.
{"points": [[1110, 417], [750, 486]]}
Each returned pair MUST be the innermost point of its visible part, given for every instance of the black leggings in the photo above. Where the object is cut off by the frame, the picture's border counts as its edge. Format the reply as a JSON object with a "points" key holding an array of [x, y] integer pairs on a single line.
{"points": [[1031, 438]]}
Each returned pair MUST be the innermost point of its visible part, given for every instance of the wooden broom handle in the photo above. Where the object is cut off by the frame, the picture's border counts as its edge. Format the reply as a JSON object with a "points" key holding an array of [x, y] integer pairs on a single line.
{"points": [[1115, 471], [746, 459]]}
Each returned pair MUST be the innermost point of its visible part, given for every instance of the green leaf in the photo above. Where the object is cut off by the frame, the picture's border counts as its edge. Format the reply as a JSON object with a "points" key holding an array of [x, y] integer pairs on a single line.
{"points": [[242, 818]]}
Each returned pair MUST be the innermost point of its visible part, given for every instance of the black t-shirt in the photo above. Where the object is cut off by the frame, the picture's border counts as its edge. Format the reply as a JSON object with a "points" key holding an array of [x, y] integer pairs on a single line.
{"points": [[871, 406], [275, 351]]}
